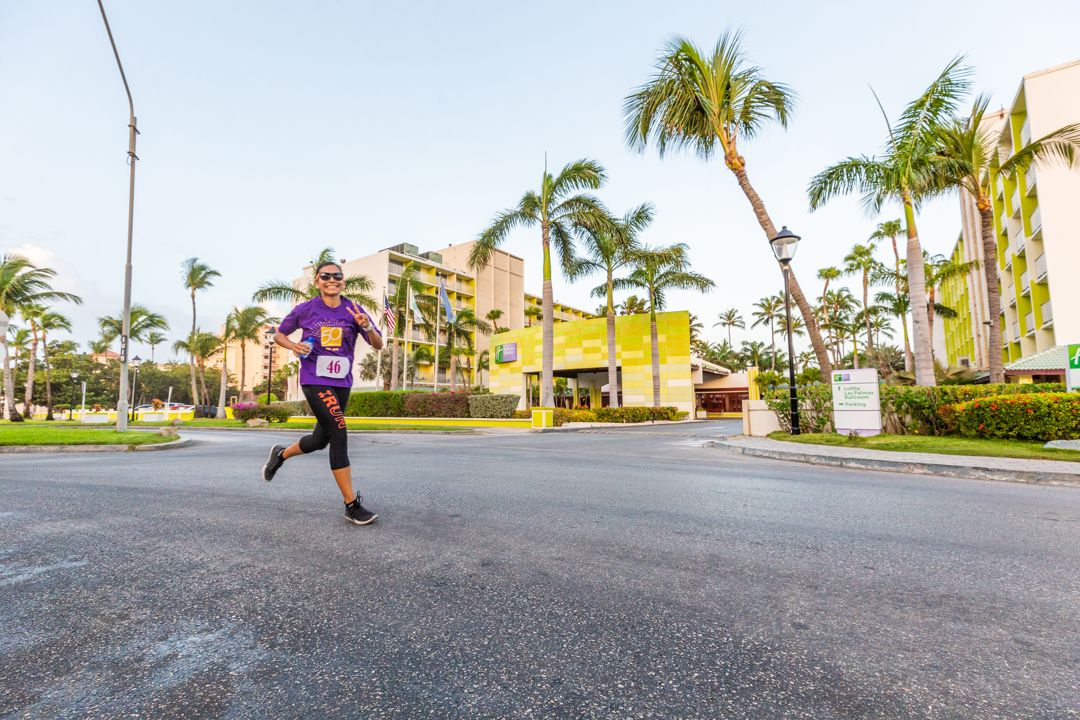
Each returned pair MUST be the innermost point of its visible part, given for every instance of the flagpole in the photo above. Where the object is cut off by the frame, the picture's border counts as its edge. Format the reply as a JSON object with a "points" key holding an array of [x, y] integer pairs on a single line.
{"points": [[382, 328], [438, 316], [408, 337]]}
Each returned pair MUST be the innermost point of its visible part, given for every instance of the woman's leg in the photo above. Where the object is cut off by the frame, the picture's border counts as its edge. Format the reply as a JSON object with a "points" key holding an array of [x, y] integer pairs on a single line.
{"points": [[337, 401]]}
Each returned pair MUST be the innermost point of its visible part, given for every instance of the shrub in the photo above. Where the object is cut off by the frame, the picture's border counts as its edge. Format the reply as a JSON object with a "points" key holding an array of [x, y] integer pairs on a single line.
{"points": [[380, 403], [637, 414], [1029, 416], [271, 413], [486, 405], [581, 415], [815, 406], [295, 407], [449, 404], [913, 410], [522, 414]]}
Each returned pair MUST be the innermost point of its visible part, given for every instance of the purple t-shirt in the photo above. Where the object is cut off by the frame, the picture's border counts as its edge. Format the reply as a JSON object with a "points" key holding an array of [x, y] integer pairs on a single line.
{"points": [[332, 333]]}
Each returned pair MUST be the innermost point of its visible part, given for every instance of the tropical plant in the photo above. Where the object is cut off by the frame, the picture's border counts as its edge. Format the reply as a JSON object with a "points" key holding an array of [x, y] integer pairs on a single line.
{"points": [[633, 305], [969, 149], [907, 172], [769, 310], [939, 270], [199, 346], [483, 362], [49, 321], [492, 317], [607, 250], [459, 338], [248, 326], [562, 212], [228, 334], [891, 229], [658, 270], [714, 101], [408, 283], [143, 322], [153, 339], [532, 314], [196, 275], [754, 353], [730, 318], [861, 261], [23, 284], [354, 287]]}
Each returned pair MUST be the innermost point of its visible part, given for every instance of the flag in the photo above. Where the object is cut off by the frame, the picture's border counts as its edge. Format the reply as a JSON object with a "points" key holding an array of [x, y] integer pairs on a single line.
{"points": [[450, 314], [389, 314], [418, 317]]}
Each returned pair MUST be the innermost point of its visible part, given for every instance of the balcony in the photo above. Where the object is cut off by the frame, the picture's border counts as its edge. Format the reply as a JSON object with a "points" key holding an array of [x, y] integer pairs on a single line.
{"points": [[1008, 260], [396, 268], [1029, 180], [1025, 284], [1025, 133], [1035, 222], [463, 288], [1029, 323], [999, 187], [1047, 315], [1040, 268], [1020, 246], [1015, 332], [1014, 201]]}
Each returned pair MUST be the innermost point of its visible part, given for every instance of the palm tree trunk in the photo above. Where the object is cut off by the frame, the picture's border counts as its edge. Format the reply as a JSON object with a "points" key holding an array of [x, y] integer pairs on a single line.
{"points": [[48, 375], [191, 355], [909, 360], [855, 346], [9, 384], [654, 337], [993, 293], [223, 386], [547, 390], [31, 366], [453, 370], [924, 360], [395, 353], [202, 378], [866, 311], [612, 364], [812, 330], [243, 367], [772, 344]]}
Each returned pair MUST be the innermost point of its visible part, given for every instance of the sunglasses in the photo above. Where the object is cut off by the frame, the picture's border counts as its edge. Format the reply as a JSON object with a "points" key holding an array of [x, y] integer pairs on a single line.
{"points": [[331, 276]]}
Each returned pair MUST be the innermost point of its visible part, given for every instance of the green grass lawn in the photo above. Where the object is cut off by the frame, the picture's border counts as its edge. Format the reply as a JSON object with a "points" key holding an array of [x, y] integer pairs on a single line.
{"points": [[69, 434], [950, 445], [293, 424]]}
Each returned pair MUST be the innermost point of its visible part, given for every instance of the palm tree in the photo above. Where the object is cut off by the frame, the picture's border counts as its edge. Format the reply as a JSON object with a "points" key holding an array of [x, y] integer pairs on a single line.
{"points": [[607, 251], [199, 346], [99, 346], [22, 284], [838, 305], [861, 261], [142, 322], [399, 301], [30, 314], [420, 355], [248, 324], [898, 305], [633, 305], [228, 334], [459, 338], [753, 352], [907, 173], [769, 310], [972, 164], [731, 318], [492, 317], [483, 362], [710, 102], [532, 314], [561, 212], [695, 328], [891, 229], [49, 321], [656, 271], [196, 276], [153, 339], [355, 287], [939, 270]]}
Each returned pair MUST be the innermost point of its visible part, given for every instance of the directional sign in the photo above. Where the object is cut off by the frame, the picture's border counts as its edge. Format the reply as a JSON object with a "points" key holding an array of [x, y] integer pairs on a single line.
{"points": [[856, 402], [1072, 377]]}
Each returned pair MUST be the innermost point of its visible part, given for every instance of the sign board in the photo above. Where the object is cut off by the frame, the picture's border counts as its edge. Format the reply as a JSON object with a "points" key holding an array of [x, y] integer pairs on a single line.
{"points": [[856, 402], [507, 352], [1072, 376]]}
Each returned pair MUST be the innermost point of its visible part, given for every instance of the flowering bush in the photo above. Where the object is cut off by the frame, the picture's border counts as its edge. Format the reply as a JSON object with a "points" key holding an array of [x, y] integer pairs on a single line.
{"points": [[1042, 416], [157, 403], [271, 413], [912, 410], [487, 405]]}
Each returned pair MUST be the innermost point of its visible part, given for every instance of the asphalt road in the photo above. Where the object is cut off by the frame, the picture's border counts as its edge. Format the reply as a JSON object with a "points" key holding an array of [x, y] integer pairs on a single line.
{"points": [[623, 574]]}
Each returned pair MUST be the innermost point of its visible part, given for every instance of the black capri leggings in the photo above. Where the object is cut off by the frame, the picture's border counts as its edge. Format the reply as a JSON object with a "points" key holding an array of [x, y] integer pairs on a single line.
{"points": [[328, 404]]}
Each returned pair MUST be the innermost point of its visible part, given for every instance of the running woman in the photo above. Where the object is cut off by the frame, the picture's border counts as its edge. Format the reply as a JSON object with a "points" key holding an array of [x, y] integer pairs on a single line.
{"points": [[330, 324]]}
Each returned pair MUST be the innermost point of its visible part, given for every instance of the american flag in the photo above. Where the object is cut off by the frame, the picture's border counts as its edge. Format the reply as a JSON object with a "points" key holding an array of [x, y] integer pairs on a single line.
{"points": [[389, 314]]}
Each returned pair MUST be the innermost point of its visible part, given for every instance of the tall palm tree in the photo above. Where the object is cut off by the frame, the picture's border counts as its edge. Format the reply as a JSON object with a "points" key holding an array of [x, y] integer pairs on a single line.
{"points": [[355, 287], [199, 346], [196, 275], [607, 251], [562, 212], [633, 305], [228, 335], [861, 261], [710, 102], [972, 164], [658, 270], [731, 318], [248, 324], [891, 229], [908, 173], [769, 310], [492, 317], [30, 314], [459, 338], [50, 321], [838, 305], [153, 339], [483, 362], [143, 322], [753, 352], [22, 284], [532, 315], [696, 327]]}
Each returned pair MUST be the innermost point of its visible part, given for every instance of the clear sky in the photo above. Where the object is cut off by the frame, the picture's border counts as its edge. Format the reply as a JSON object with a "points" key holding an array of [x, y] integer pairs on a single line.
{"points": [[272, 129]]}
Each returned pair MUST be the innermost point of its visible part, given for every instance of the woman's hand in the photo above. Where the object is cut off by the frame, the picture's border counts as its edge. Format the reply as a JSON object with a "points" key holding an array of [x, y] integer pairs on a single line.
{"points": [[360, 317], [302, 349]]}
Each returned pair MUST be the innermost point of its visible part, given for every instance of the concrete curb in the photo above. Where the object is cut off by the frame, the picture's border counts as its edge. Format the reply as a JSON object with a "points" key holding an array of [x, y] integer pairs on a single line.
{"points": [[30, 449], [927, 467]]}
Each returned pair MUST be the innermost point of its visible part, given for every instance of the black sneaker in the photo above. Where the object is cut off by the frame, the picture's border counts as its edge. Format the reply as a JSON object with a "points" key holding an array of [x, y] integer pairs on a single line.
{"points": [[275, 461], [357, 513]]}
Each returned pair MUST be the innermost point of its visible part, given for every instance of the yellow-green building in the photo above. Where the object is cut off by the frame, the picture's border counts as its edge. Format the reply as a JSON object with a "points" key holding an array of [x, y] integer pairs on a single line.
{"points": [[581, 356], [955, 293]]}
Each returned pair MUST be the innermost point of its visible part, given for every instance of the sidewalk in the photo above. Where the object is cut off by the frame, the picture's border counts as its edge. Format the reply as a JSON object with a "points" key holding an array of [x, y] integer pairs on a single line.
{"points": [[1038, 472]]}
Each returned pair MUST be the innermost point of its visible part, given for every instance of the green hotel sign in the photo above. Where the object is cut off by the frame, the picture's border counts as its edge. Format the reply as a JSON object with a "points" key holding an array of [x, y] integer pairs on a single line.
{"points": [[1072, 376], [507, 352]]}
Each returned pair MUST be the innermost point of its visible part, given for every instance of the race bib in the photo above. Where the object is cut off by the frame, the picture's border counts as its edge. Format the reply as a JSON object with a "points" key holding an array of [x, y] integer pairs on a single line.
{"points": [[330, 337], [329, 366]]}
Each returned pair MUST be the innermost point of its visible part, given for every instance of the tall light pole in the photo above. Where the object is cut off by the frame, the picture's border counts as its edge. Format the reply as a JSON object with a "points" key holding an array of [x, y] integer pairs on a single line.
{"points": [[122, 403], [268, 336], [783, 247], [135, 363], [5, 322]]}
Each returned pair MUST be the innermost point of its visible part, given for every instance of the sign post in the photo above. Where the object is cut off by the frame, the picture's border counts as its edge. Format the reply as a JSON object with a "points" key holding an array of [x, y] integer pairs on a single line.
{"points": [[856, 402], [1072, 375]]}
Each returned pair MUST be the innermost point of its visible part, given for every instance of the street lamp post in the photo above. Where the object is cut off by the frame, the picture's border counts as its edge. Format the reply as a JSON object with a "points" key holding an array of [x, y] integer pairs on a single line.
{"points": [[74, 384], [125, 332], [5, 321], [783, 246], [135, 363], [269, 335]]}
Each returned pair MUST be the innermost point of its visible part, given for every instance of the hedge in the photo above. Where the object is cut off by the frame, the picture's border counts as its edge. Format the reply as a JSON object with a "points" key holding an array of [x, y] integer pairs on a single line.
{"points": [[271, 413], [915, 410], [295, 407], [637, 414], [1045, 416], [447, 405], [380, 403], [486, 405], [815, 406]]}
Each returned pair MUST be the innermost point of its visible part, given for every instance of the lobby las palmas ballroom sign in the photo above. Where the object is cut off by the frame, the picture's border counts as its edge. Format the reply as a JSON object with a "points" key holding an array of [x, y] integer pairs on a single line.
{"points": [[856, 402]]}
